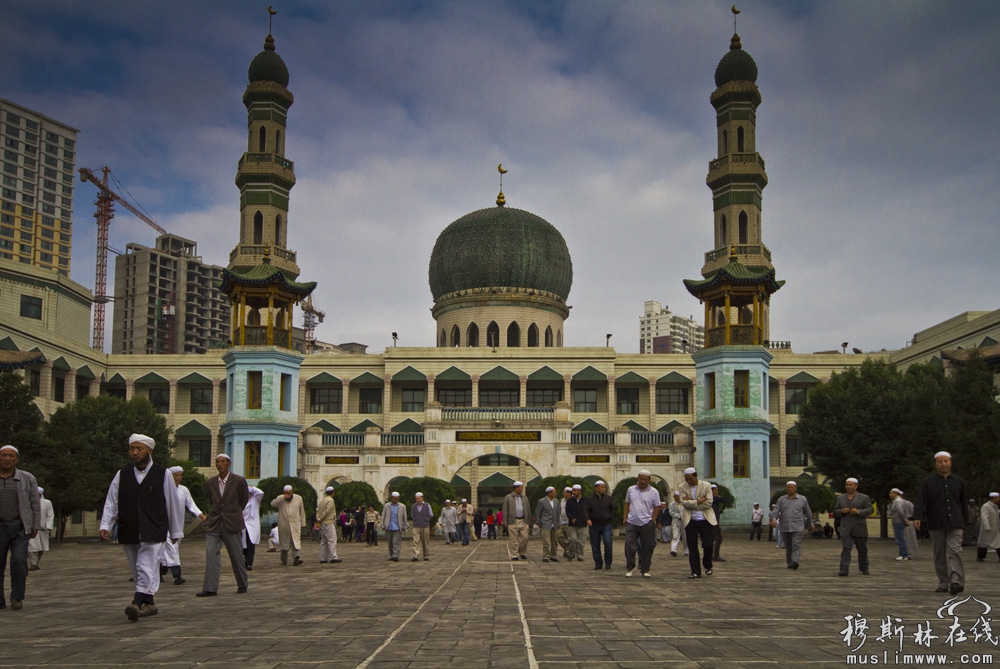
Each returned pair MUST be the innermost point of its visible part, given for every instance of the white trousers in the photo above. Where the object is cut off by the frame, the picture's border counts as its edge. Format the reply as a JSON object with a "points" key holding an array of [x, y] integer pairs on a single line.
{"points": [[144, 560], [327, 542]]}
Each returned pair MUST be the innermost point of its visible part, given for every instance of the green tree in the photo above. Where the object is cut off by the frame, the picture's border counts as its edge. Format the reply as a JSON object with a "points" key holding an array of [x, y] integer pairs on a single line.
{"points": [[618, 495], [728, 500], [85, 443], [273, 488], [355, 493], [18, 412], [973, 419], [435, 492], [537, 491]]}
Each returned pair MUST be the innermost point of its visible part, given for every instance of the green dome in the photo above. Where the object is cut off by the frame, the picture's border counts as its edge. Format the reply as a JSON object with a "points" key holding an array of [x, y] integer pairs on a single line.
{"points": [[737, 65], [503, 248], [268, 66]]}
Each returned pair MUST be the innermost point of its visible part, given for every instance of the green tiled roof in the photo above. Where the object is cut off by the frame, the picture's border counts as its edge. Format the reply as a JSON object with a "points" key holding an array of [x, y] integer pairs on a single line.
{"points": [[324, 377], [326, 426], [364, 425], [264, 274], [802, 377], [268, 65], [673, 377], [117, 379], [453, 374], [590, 374], [194, 378], [545, 374], [669, 427], [496, 480], [151, 378], [458, 482], [85, 373], [737, 65], [590, 425], [635, 427], [408, 374], [499, 374], [408, 425], [735, 274], [367, 377], [7, 344], [192, 429], [500, 247], [60, 364]]}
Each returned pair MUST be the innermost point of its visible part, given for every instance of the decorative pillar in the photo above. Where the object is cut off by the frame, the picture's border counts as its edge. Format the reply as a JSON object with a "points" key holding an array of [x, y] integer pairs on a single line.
{"points": [[345, 401], [729, 320], [45, 381], [612, 402], [568, 390], [475, 390], [95, 387], [215, 396], [129, 389], [304, 401], [173, 399], [523, 397], [69, 389], [270, 317], [652, 404], [781, 427], [386, 401], [430, 390]]}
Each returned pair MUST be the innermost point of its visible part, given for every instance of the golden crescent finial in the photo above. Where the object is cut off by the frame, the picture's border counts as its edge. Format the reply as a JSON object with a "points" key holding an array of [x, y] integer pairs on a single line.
{"points": [[501, 201], [500, 168], [271, 11], [735, 11]]}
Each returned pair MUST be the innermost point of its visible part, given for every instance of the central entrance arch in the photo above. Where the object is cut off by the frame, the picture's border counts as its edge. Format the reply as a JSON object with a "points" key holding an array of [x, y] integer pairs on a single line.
{"points": [[487, 479]]}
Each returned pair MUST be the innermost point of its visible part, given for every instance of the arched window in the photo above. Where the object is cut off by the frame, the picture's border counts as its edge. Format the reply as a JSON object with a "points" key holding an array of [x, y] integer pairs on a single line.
{"points": [[722, 231], [513, 335], [443, 342], [739, 139], [472, 335], [277, 143], [532, 335], [277, 231], [559, 338], [493, 334], [261, 139], [744, 228], [724, 149], [258, 228], [548, 335], [456, 336]]}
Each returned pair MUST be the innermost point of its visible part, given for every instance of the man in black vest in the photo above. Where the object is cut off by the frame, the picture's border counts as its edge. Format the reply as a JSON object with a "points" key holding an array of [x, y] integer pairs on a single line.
{"points": [[143, 499]]}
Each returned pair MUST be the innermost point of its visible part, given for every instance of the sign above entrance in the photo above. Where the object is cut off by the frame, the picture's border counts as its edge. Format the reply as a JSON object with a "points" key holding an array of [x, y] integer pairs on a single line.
{"points": [[497, 435], [402, 459], [593, 459], [342, 459], [653, 459]]}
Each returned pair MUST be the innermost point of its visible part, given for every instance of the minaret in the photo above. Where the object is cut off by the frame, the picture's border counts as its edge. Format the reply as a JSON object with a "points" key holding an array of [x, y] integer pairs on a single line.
{"points": [[264, 176]]}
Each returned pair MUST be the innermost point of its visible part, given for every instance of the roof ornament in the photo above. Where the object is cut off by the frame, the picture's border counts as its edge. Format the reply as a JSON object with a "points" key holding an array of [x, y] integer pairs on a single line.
{"points": [[272, 12], [735, 43], [267, 255], [501, 201]]}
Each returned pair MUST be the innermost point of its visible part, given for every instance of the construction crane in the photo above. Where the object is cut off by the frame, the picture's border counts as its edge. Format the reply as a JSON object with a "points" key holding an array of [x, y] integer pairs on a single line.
{"points": [[310, 316], [105, 212]]}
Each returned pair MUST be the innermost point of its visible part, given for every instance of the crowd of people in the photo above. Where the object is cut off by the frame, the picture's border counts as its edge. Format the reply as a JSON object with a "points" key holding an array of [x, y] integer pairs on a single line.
{"points": [[147, 503]]}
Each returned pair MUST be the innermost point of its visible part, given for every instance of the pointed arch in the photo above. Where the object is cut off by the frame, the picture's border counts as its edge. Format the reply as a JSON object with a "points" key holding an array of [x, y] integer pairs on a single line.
{"points": [[472, 335], [277, 142], [724, 149], [532, 335], [722, 230], [548, 335], [493, 334], [740, 140], [261, 139], [443, 339], [277, 231], [513, 335], [258, 228], [744, 228], [456, 336], [559, 337]]}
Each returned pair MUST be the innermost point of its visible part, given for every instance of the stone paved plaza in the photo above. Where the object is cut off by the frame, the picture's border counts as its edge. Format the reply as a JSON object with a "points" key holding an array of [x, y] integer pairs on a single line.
{"points": [[471, 607]]}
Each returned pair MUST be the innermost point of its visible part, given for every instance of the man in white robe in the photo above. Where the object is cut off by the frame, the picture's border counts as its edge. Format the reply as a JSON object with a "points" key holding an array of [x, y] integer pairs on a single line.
{"points": [[143, 499], [989, 528], [291, 519], [449, 521], [40, 543], [171, 558], [251, 518]]}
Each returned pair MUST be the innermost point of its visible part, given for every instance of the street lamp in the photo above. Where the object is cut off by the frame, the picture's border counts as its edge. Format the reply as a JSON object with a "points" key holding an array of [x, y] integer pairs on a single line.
{"points": [[394, 338], [607, 339]]}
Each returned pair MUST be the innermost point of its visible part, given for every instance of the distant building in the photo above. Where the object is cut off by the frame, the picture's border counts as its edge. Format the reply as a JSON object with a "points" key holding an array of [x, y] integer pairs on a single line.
{"points": [[167, 300], [660, 331], [36, 208]]}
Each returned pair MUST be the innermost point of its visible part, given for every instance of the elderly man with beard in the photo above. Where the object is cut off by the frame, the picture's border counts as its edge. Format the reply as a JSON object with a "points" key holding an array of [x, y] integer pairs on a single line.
{"points": [[40, 543], [20, 521], [698, 519], [143, 499], [171, 558], [598, 513], [941, 506], [794, 517], [642, 506], [228, 495], [853, 509], [291, 519]]}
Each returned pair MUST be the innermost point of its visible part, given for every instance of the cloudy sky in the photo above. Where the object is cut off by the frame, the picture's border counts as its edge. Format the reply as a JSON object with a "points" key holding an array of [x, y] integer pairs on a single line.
{"points": [[878, 126]]}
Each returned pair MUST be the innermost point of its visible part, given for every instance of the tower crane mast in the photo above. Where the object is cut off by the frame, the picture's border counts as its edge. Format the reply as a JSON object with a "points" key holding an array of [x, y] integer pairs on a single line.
{"points": [[105, 212]]}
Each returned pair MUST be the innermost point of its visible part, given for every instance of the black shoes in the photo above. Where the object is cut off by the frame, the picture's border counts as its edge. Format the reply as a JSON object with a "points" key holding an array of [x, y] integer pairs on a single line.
{"points": [[841, 573], [16, 604], [693, 575], [719, 560], [598, 567], [708, 572], [297, 562], [240, 591], [795, 565], [607, 566], [673, 553], [865, 572], [524, 557], [204, 593], [179, 580], [414, 559], [554, 559], [513, 559], [335, 560], [941, 588], [955, 589], [249, 567]]}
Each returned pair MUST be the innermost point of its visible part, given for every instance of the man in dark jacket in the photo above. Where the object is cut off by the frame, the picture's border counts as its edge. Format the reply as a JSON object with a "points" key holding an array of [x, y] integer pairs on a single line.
{"points": [[20, 521], [227, 496], [597, 508], [941, 508], [576, 514]]}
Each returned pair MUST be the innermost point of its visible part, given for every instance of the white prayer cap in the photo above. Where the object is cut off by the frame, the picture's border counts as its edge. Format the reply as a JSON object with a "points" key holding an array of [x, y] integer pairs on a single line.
{"points": [[714, 486], [677, 493], [142, 439], [419, 494], [568, 489], [942, 454], [223, 455], [756, 503], [447, 501], [518, 483], [177, 469], [287, 488], [851, 480], [897, 491], [549, 489], [792, 483], [395, 494], [464, 501], [690, 470], [900, 492], [8, 447], [42, 490], [992, 494], [329, 488], [643, 472], [577, 486], [599, 483]]}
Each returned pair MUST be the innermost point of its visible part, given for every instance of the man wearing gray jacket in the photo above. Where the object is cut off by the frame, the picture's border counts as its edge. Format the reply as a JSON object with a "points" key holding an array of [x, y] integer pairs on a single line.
{"points": [[547, 516], [794, 517], [20, 520], [853, 509]]}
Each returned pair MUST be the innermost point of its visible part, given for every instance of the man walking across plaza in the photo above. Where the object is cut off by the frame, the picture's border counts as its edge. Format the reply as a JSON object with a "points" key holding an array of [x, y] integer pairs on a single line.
{"points": [[599, 511], [465, 513], [900, 519], [326, 516], [576, 528], [853, 509], [989, 528], [698, 519], [39, 543], [676, 512], [143, 499], [449, 522], [421, 514], [171, 557], [794, 517], [250, 537], [394, 524], [228, 495], [717, 528], [756, 520], [642, 506], [291, 520], [517, 521], [940, 506], [20, 521], [562, 534], [547, 517]]}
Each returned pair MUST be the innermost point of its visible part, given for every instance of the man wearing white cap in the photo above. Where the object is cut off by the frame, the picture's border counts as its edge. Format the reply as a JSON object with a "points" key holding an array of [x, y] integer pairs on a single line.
{"points": [[250, 537], [576, 528], [642, 506], [20, 521], [449, 522], [853, 509], [517, 520], [465, 513], [40, 542], [676, 525], [562, 534], [698, 519], [756, 521], [599, 510], [547, 517], [171, 557], [394, 524], [421, 514], [940, 506], [143, 499], [794, 517], [900, 519], [291, 520], [228, 495], [326, 516], [989, 528]]}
